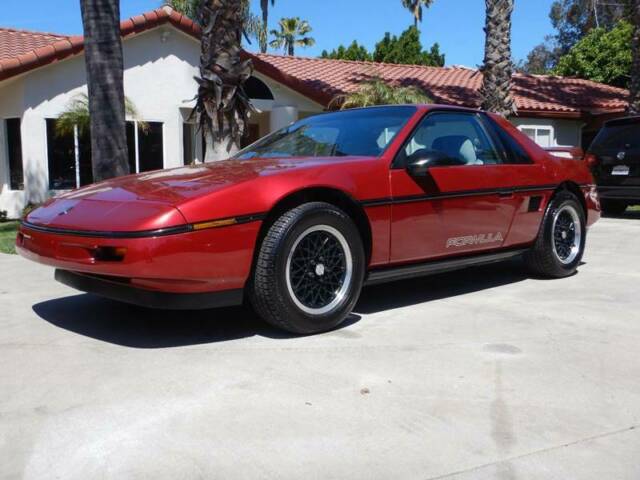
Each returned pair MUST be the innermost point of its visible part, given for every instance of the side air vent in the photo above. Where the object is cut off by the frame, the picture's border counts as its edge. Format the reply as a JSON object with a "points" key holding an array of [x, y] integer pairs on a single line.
{"points": [[534, 203]]}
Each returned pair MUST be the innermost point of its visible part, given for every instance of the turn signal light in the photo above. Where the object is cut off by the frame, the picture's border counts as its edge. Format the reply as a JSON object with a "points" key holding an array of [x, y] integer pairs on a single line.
{"points": [[214, 224], [109, 254]]}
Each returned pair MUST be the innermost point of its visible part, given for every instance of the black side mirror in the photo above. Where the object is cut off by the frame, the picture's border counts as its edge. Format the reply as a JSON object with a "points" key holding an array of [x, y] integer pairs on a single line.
{"points": [[419, 163]]}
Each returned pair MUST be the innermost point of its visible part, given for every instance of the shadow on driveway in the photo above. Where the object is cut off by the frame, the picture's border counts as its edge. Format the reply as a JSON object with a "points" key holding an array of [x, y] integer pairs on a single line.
{"points": [[137, 327]]}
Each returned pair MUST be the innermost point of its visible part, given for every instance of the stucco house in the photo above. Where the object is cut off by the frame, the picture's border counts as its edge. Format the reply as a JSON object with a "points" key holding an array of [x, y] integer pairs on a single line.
{"points": [[40, 73]]}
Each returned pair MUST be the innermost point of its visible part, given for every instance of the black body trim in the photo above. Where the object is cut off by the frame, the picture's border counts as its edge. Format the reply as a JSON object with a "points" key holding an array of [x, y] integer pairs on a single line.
{"points": [[504, 192], [123, 292], [160, 232], [389, 274]]}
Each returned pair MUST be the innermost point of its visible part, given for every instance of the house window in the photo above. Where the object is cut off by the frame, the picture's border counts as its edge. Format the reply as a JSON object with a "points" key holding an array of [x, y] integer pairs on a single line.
{"points": [[69, 156], [14, 149], [542, 135], [146, 146]]}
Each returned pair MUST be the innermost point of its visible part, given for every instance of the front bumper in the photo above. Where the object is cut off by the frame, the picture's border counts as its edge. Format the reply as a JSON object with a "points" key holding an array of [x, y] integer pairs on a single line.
{"points": [[122, 291], [217, 259]]}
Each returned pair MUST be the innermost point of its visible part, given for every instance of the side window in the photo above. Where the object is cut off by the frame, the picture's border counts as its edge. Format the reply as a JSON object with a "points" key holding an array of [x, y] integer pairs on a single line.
{"points": [[459, 136]]}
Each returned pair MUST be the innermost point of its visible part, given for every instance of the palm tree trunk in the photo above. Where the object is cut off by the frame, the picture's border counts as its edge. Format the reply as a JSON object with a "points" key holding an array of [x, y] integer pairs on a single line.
{"points": [[291, 48], [634, 87], [222, 106], [264, 6], [498, 68], [105, 70]]}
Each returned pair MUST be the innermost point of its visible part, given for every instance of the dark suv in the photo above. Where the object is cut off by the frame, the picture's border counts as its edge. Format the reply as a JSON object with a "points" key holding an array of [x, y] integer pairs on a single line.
{"points": [[614, 158]]}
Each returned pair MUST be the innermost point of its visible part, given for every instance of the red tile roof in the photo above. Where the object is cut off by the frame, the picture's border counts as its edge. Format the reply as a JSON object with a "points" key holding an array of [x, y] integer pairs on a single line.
{"points": [[322, 79], [18, 42], [24, 51]]}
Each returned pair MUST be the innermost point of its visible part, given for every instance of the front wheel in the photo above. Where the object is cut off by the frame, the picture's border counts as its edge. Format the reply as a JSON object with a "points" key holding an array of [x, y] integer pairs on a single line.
{"points": [[561, 239], [309, 270]]}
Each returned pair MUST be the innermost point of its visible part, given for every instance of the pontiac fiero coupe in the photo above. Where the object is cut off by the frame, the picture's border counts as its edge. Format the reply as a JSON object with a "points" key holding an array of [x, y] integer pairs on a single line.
{"points": [[298, 222]]}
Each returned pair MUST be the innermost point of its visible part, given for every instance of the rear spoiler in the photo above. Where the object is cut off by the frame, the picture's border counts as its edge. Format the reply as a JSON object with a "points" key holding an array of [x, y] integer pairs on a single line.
{"points": [[573, 153]]}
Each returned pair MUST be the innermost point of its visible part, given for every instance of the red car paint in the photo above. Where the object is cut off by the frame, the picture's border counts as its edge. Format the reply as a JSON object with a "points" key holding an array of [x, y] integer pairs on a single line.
{"points": [[151, 214]]}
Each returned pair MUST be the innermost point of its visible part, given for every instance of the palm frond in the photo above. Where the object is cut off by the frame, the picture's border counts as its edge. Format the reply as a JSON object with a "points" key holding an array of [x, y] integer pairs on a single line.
{"points": [[76, 114], [378, 92]]}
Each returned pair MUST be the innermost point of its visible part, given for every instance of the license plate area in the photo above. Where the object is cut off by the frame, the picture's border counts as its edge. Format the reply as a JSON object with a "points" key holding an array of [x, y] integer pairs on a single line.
{"points": [[620, 170]]}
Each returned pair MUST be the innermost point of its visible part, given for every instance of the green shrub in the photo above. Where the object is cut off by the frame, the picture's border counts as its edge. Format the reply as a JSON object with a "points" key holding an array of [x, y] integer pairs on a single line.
{"points": [[29, 208]]}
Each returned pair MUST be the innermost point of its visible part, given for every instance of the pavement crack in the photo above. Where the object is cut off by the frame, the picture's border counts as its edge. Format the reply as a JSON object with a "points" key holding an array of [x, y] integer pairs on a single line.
{"points": [[535, 452]]}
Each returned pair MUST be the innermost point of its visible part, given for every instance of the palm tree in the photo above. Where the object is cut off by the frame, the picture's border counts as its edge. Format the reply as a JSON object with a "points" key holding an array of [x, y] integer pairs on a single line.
{"points": [[498, 66], [105, 70], [76, 115], [188, 8], [415, 7], [378, 92], [222, 106], [634, 87], [292, 34], [264, 6]]}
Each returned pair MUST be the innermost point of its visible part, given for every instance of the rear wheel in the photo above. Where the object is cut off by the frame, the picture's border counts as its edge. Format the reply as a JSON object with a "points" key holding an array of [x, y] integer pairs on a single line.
{"points": [[310, 269], [613, 207], [560, 243]]}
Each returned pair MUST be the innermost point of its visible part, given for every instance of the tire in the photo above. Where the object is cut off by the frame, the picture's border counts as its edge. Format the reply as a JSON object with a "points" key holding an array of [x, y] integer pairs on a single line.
{"points": [[559, 246], [613, 207], [309, 270]]}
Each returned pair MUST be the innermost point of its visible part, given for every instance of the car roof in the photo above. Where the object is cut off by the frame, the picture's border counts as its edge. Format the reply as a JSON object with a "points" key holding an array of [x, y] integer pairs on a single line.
{"points": [[623, 121]]}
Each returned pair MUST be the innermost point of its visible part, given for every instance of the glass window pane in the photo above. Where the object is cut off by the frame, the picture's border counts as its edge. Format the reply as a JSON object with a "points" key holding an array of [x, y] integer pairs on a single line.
{"points": [[131, 146], [62, 162], [86, 169], [544, 137], [14, 144], [150, 147], [459, 136], [337, 134], [529, 132]]}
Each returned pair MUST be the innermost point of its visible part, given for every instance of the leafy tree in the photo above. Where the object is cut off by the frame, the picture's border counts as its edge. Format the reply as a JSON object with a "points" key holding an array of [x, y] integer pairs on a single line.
{"points": [[542, 59], [222, 106], [355, 51], [573, 19], [498, 68], [415, 7], [378, 92], [293, 33], [634, 86], [105, 83], [603, 56], [407, 49]]}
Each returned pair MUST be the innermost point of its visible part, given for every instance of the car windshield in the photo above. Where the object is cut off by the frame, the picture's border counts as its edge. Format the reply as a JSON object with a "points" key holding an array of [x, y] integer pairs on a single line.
{"points": [[364, 132], [618, 137]]}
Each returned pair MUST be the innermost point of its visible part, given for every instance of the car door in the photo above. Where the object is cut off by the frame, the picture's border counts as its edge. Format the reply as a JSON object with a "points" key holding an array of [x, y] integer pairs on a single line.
{"points": [[462, 205]]}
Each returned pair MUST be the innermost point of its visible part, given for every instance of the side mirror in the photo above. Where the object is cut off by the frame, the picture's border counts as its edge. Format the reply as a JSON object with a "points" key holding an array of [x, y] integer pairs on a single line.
{"points": [[419, 163]]}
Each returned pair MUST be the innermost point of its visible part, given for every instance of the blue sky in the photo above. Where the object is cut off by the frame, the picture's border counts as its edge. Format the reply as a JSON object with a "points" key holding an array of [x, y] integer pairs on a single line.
{"points": [[455, 24]]}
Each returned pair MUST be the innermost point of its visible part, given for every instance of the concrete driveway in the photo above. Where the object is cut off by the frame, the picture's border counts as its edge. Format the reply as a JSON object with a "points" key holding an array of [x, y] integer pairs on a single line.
{"points": [[480, 374]]}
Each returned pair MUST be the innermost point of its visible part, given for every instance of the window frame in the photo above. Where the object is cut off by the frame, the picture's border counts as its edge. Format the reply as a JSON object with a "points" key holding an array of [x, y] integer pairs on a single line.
{"points": [[136, 123], [536, 127], [399, 164]]}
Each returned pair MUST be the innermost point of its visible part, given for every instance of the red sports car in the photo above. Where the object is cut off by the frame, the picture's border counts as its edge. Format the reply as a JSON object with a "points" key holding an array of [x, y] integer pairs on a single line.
{"points": [[299, 221]]}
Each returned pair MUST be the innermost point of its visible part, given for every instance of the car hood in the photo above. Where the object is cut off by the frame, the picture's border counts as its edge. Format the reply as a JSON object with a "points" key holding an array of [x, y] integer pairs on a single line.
{"points": [[158, 195]]}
